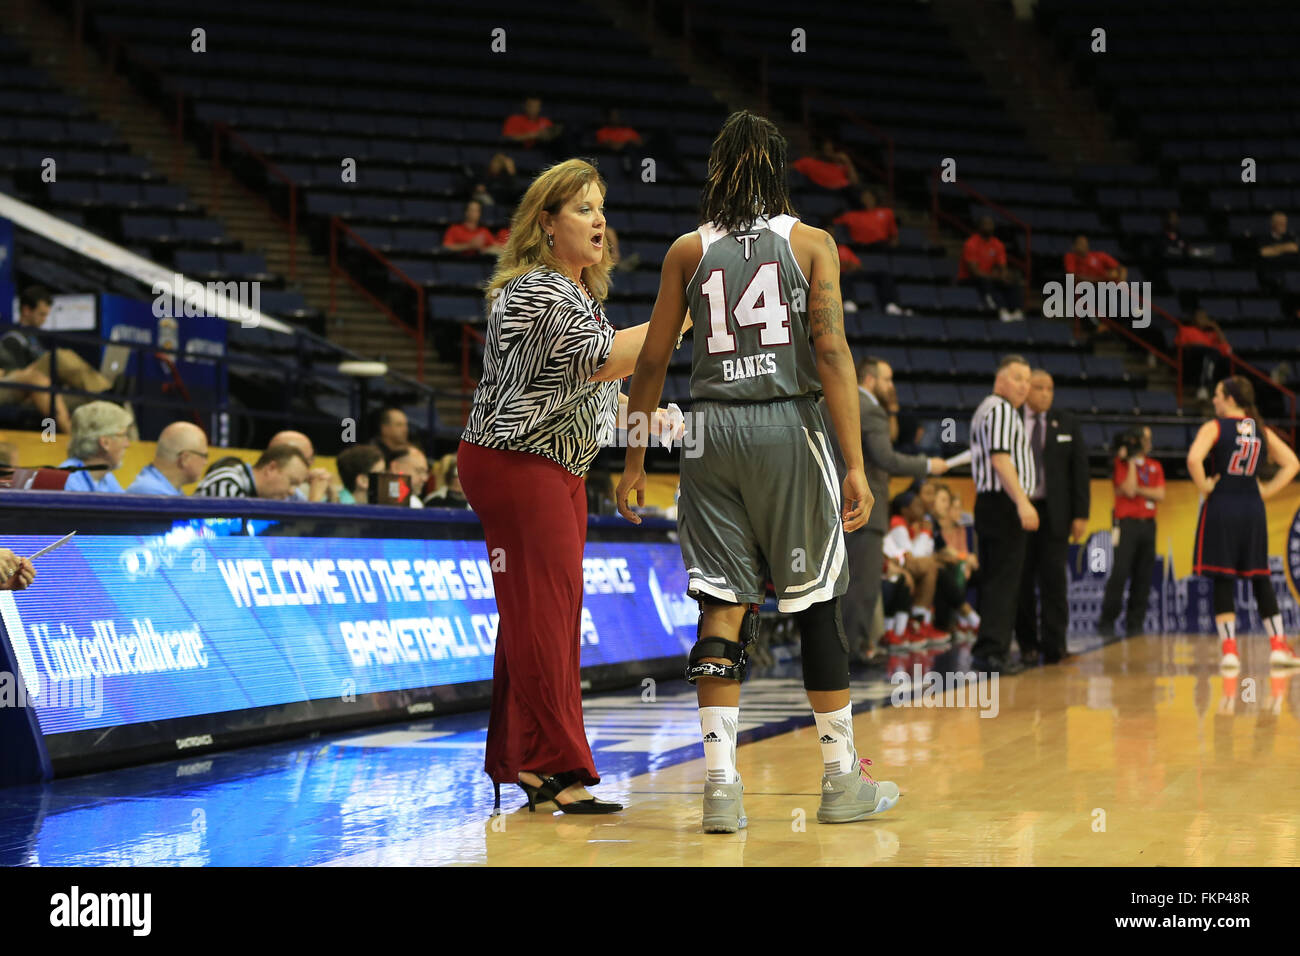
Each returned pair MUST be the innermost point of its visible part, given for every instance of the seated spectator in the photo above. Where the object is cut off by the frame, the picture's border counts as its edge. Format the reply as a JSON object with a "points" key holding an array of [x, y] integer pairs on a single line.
{"points": [[1205, 353], [872, 228], [530, 127], [957, 513], [470, 236], [48, 405], [318, 479], [1093, 265], [498, 186], [179, 460], [984, 265], [24, 360], [957, 566], [101, 434], [411, 462], [910, 544], [1278, 251], [1170, 245], [274, 476], [616, 136], [394, 432], [830, 168], [452, 495], [872, 224], [355, 466]]}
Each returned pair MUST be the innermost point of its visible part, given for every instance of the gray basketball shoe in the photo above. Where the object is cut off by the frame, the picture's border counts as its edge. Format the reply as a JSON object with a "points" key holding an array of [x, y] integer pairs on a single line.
{"points": [[724, 810], [851, 796]]}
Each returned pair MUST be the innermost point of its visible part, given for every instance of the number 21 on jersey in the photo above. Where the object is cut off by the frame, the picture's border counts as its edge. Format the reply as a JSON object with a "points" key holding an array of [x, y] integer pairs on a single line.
{"points": [[772, 316], [1246, 456]]}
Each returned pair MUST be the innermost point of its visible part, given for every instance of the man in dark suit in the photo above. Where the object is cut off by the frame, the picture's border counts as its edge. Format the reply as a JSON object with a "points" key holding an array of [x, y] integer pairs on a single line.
{"points": [[1061, 498], [878, 399]]}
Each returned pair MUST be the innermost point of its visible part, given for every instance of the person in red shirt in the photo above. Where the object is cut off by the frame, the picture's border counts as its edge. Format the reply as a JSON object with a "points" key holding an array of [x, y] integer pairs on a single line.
{"points": [[831, 168], [1092, 266], [984, 265], [872, 223], [530, 127], [871, 229], [1139, 485], [1205, 353], [470, 236], [614, 135]]}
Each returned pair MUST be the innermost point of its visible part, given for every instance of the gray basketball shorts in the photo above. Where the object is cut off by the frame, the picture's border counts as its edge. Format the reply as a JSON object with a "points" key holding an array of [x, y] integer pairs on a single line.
{"points": [[760, 503]]}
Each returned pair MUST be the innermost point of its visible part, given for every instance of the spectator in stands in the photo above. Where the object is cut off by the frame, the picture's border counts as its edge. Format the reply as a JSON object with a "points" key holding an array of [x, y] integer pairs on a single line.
{"points": [[394, 432], [871, 225], [412, 463], [470, 236], [180, 458], [615, 135], [1205, 353], [957, 566], [452, 495], [318, 479], [959, 514], [1278, 251], [1092, 265], [274, 475], [530, 127], [24, 360], [873, 229], [830, 168], [499, 185], [1170, 245], [984, 265], [910, 542], [101, 434], [355, 466]]}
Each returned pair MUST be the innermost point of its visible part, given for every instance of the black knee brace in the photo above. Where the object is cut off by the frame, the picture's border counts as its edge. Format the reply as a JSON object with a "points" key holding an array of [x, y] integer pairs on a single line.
{"points": [[824, 646], [1225, 601], [697, 667], [1265, 596]]}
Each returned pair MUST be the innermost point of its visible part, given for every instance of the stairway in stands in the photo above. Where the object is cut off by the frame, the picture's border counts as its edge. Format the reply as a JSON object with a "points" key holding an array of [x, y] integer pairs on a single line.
{"points": [[356, 324]]}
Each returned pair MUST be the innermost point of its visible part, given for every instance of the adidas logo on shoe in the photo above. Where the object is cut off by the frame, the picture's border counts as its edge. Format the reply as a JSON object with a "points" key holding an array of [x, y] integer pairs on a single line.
{"points": [[826, 785], [720, 794], [827, 739], [711, 737]]}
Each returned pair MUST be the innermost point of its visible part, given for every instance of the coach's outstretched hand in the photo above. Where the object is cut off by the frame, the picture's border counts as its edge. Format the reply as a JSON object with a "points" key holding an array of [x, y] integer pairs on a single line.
{"points": [[16, 573], [857, 499], [631, 480]]}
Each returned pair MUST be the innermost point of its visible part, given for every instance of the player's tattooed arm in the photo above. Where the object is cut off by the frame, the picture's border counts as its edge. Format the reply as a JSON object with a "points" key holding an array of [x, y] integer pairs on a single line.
{"points": [[825, 314]]}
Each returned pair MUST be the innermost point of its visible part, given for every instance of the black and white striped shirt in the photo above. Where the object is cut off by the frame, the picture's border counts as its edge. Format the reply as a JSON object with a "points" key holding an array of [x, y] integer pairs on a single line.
{"points": [[545, 340], [999, 427], [228, 478]]}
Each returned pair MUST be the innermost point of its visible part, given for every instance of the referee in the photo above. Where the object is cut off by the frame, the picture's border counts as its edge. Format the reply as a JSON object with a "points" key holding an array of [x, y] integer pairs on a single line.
{"points": [[1002, 465]]}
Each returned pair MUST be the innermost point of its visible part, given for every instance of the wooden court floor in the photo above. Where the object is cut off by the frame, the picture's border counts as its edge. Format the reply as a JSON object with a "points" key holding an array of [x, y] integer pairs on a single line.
{"points": [[1137, 753]]}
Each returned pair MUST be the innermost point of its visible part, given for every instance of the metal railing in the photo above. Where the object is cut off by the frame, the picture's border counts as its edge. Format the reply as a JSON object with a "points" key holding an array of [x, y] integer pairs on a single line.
{"points": [[222, 132], [337, 227]]}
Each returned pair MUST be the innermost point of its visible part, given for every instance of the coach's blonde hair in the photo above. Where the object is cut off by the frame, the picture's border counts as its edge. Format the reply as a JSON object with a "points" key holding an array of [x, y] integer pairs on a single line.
{"points": [[93, 421], [526, 249]]}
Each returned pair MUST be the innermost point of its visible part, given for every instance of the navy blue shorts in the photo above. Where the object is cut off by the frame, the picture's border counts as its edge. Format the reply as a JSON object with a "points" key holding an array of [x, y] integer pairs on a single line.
{"points": [[1231, 536]]}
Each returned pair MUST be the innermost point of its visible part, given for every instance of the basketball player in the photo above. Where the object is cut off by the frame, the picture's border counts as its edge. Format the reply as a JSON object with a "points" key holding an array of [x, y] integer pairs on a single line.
{"points": [[1232, 533], [760, 502]]}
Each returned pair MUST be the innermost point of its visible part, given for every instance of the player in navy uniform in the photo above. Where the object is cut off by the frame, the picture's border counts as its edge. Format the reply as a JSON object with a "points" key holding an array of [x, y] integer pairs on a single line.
{"points": [[1232, 533], [760, 501]]}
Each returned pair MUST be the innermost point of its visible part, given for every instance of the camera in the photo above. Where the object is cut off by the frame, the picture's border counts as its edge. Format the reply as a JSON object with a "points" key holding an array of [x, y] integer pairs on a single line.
{"points": [[1127, 443]]}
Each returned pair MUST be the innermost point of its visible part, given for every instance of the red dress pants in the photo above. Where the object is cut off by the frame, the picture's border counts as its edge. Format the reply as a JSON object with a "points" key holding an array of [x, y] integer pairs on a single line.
{"points": [[534, 516]]}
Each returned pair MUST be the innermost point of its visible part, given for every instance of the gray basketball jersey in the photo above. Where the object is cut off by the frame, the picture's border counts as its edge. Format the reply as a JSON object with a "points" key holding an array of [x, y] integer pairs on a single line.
{"points": [[749, 312]]}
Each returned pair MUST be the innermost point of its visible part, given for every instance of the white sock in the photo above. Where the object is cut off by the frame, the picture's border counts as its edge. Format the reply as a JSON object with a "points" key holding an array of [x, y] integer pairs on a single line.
{"points": [[835, 732], [1273, 625], [1227, 629], [718, 727], [923, 613], [900, 623]]}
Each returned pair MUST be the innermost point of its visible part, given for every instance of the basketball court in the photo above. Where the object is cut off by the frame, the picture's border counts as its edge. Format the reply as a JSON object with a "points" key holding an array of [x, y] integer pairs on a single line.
{"points": [[1136, 753]]}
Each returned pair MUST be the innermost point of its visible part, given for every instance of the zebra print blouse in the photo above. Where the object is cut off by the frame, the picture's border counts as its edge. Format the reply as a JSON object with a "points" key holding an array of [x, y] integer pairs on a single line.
{"points": [[544, 341]]}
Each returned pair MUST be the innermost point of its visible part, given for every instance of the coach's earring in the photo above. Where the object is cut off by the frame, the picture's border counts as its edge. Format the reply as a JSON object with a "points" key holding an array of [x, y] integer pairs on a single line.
{"points": [[550, 240]]}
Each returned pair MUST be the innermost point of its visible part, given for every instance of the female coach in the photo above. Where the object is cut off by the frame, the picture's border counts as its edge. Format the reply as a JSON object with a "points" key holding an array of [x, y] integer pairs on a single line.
{"points": [[547, 397]]}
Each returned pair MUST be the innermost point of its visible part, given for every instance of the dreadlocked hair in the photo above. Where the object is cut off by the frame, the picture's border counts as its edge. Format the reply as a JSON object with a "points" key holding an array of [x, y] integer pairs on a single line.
{"points": [[746, 173]]}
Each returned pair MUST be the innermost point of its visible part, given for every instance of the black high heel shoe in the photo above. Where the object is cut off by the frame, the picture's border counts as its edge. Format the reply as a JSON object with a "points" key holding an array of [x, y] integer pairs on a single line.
{"points": [[552, 786]]}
